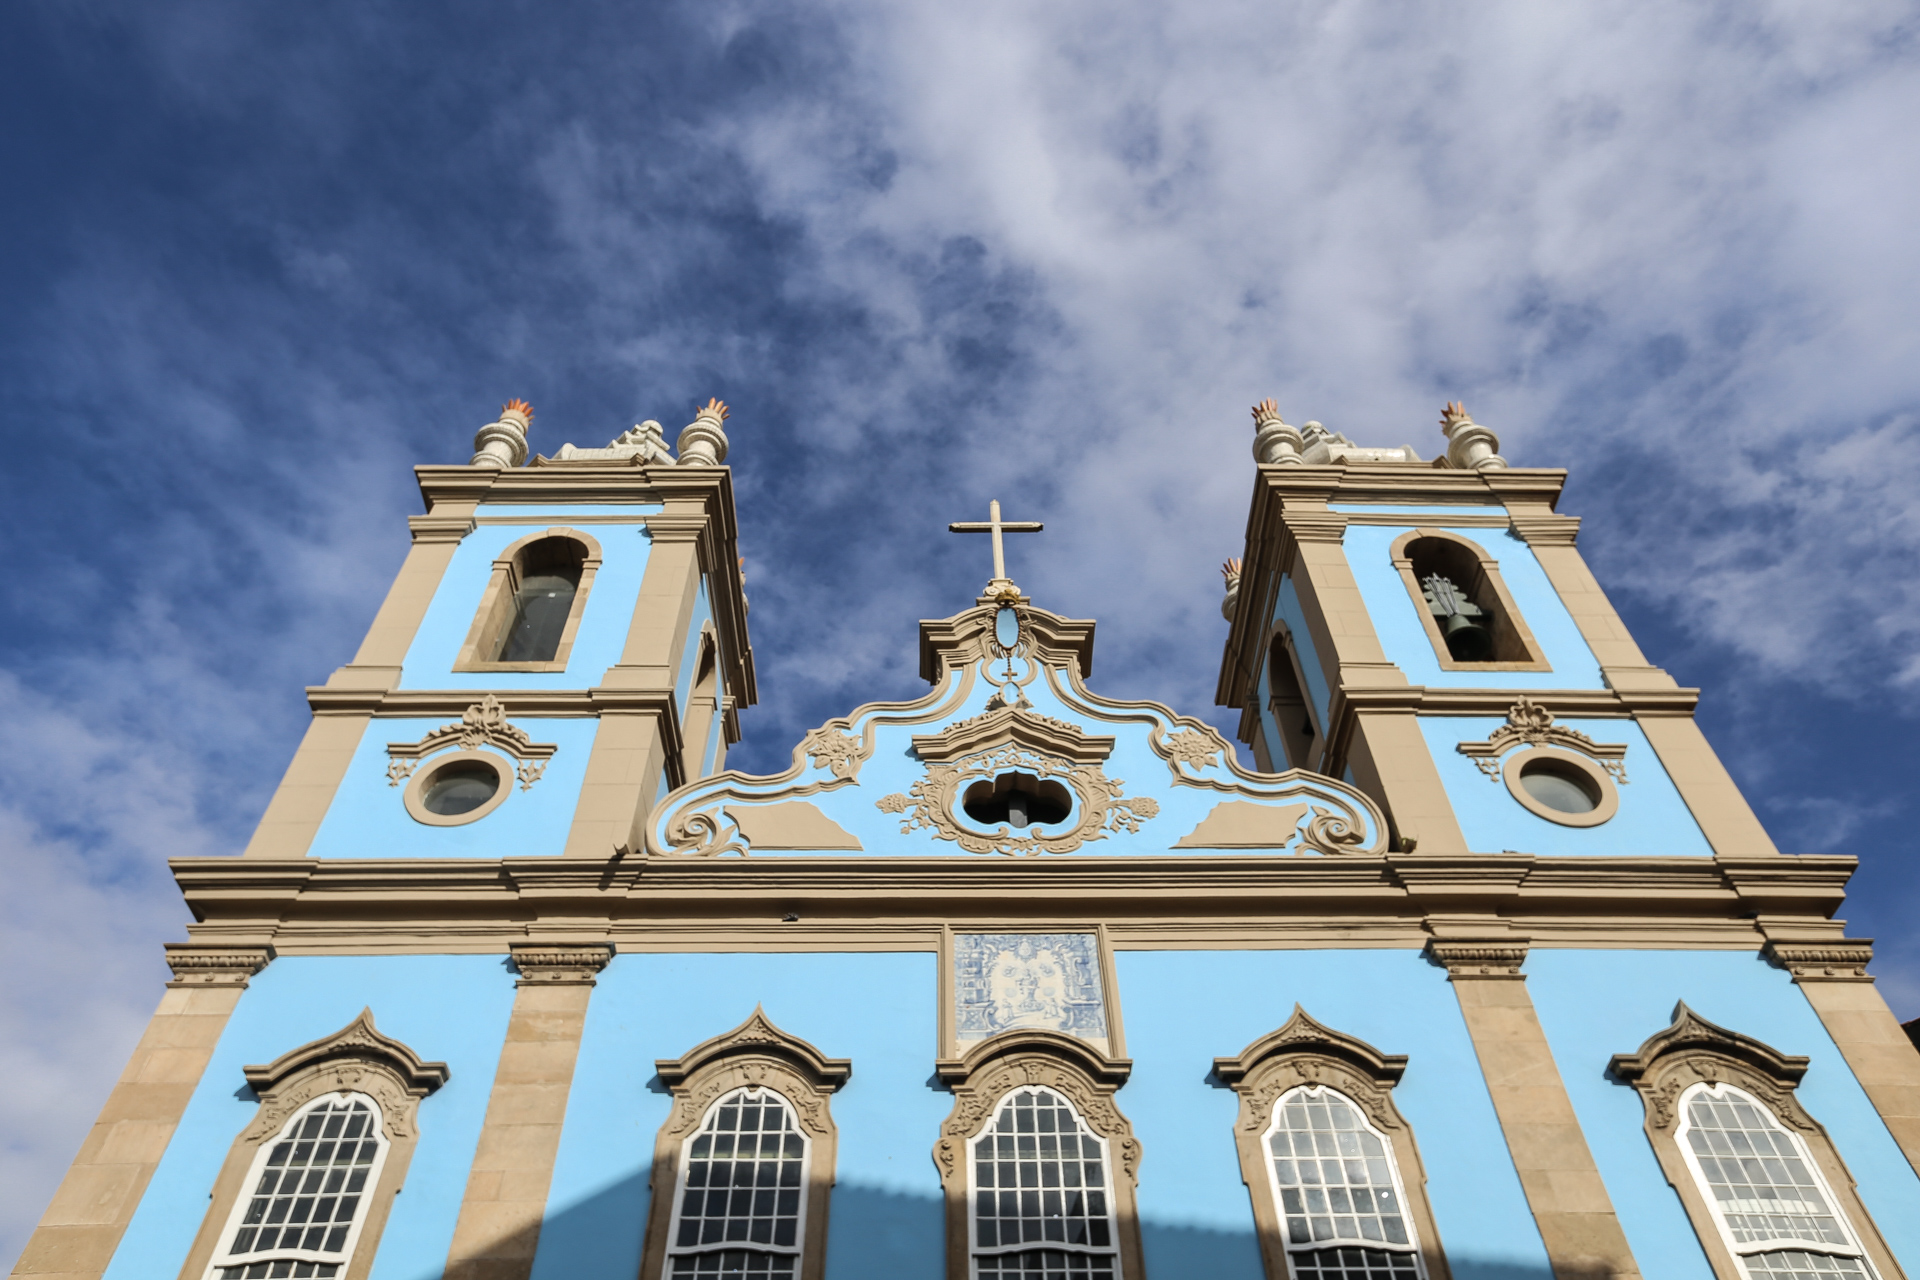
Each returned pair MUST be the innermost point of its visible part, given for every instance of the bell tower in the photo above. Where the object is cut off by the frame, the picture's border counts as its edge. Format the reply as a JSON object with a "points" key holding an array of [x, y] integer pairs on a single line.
{"points": [[1429, 632], [565, 643]]}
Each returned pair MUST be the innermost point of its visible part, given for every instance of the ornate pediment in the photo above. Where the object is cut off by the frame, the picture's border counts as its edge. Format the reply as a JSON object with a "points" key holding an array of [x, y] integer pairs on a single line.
{"points": [[1531, 725], [1010, 716]]}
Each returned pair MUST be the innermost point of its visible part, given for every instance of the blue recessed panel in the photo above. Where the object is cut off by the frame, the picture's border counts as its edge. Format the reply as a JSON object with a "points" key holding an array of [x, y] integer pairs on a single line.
{"points": [[368, 817], [604, 620], [1652, 821], [451, 1009], [1183, 1009], [1594, 1004], [1396, 619]]}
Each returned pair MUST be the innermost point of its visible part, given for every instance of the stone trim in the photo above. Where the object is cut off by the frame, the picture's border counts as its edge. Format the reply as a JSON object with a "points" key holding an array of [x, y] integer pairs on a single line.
{"points": [[1693, 1051], [1843, 961], [201, 966], [1013, 724], [550, 965], [1465, 959], [1018, 1059], [495, 611], [755, 1054], [1490, 571], [357, 1058], [1306, 1052]]}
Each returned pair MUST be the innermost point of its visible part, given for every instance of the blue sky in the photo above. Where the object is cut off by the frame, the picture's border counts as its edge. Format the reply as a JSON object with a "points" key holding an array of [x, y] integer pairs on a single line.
{"points": [[262, 258]]}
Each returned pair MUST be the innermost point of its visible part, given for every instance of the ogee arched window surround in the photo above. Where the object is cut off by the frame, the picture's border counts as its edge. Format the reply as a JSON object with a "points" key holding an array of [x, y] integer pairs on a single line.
{"points": [[1421, 554], [743, 1167], [322, 1085], [1036, 1109], [1713, 1099], [530, 611], [1338, 1188]]}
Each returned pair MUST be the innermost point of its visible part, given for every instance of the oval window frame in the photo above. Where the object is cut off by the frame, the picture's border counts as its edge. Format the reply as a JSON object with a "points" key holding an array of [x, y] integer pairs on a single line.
{"points": [[415, 795], [1607, 806]]}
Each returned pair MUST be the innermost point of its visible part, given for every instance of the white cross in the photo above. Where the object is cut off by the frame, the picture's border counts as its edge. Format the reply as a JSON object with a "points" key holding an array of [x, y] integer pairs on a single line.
{"points": [[996, 526]]}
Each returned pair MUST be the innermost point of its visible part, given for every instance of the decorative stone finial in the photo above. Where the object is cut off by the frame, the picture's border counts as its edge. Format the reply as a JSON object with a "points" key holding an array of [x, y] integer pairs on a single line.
{"points": [[504, 443], [702, 442], [1231, 572], [1470, 446], [1274, 442]]}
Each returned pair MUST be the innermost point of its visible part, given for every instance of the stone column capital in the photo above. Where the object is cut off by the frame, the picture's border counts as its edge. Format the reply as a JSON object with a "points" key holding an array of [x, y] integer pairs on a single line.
{"points": [[1477, 958], [1844, 960], [549, 964], [198, 965]]}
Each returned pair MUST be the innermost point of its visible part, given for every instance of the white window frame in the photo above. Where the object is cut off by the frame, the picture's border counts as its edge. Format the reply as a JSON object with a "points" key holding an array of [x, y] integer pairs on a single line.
{"points": [[1720, 1091], [975, 1252], [797, 1250], [222, 1260], [1317, 1091]]}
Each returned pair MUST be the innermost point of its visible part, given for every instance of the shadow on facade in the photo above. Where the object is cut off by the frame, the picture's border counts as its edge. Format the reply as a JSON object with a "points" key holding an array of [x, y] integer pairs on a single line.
{"points": [[894, 1235]]}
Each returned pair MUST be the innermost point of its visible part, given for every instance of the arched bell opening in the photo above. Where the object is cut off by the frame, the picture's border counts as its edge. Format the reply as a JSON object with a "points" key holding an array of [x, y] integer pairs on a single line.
{"points": [[1468, 612]]}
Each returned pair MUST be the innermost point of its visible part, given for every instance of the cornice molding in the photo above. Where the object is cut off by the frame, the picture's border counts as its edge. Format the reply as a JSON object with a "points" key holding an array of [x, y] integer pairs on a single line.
{"points": [[1013, 724], [358, 1041], [1302, 1034], [758, 1037], [440, 528]]}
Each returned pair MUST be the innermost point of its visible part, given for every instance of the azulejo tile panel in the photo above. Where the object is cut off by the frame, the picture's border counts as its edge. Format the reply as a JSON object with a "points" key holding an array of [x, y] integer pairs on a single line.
{"points": [[1026, 981]]}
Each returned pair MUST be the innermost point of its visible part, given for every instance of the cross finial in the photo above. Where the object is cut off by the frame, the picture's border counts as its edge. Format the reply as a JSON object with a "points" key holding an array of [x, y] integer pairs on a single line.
{"points": [[1002, 586]]}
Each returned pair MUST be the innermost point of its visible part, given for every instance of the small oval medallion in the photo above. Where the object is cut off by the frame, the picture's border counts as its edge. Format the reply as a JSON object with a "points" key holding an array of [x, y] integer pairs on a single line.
{"points": [[1006, 628]]}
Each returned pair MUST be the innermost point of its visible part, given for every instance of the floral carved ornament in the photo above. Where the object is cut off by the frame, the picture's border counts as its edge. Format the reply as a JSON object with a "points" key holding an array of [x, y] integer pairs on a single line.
{"points": [[1101, 804]]}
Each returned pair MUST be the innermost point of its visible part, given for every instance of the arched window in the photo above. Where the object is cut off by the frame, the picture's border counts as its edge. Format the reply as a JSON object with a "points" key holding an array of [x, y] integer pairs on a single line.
{"points": [[1463, 603], [307, 1185], [530, 610], [1042, 1198], [703, 716], [1770, 1202], [1339, 1194], [1038, 1163], [1337, 1186], [306, 1193], [1287, 700], [1768, 1193], [743, 1167], [741, 1203]]}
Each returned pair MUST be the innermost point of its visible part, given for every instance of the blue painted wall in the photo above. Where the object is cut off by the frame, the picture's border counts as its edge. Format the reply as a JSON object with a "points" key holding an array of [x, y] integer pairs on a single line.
{"points": [[1652, 820], [1594, 1004], [1404, 638], [368, 817], [690, 650], [452, 1009], [1178, 1018], [877, 1009], [603, 623]]}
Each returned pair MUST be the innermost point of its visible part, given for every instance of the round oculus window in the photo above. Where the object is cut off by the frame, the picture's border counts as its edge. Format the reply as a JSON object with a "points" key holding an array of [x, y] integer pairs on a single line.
{"points": [[460, 787], [1561, 787]]}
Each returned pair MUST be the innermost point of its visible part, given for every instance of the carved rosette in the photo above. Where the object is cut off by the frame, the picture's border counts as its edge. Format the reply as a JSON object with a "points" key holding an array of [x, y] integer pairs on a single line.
{"points": [[1191, 749], [1100, 804], [202, 966], [556, 965], [835, 751], [1529, 724]]}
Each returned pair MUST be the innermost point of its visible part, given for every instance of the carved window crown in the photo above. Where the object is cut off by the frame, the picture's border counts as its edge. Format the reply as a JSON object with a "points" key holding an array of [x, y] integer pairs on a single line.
{"points": [[1761, 1179], [1335, 1175]]}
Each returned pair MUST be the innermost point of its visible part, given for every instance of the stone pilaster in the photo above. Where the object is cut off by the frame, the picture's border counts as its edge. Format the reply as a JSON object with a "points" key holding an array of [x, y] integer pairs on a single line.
{"points": [[1833, 976], [90, 1212], [1570, 1204], [506, 1198]]}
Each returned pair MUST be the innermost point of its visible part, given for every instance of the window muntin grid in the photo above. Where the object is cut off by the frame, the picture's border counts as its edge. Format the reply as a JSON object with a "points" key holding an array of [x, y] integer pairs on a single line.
{"points": [[307, 1193], [1763, 1188], [743, 1182], [1039, 1176], [1335, 1183]]}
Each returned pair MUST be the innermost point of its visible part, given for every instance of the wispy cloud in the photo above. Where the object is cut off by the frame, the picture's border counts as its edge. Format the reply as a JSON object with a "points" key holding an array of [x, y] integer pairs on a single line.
{"points": [[933, 254]]}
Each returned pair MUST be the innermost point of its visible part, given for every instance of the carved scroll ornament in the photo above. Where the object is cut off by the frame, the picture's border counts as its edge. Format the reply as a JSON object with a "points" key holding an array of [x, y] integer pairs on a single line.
{"points": [[357, 1058], [1100, 803], [484, 724], [1529, 724]]}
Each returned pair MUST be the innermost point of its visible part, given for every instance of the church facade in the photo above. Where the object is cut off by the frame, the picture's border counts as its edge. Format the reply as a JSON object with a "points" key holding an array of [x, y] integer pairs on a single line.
{"points": [[1485, 972]]}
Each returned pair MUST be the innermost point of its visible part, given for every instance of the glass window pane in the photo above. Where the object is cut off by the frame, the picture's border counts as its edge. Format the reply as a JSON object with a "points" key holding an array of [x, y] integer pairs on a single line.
{"points": [[1350, 1196], [294, 1197], [1038, 1142], [1760, 1198], [748, 1148]]}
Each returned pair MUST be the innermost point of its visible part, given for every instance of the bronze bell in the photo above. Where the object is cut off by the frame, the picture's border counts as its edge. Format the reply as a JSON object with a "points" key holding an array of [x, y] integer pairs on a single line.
{"points": [[1467, 640]]}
